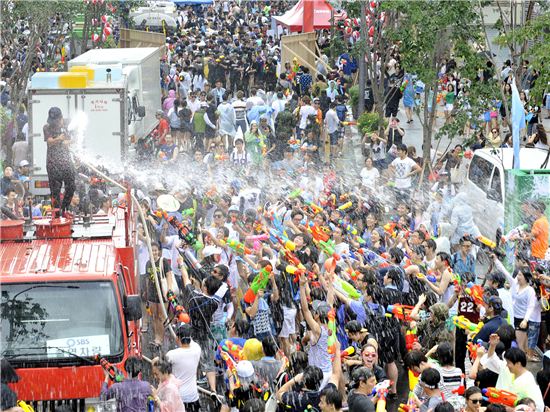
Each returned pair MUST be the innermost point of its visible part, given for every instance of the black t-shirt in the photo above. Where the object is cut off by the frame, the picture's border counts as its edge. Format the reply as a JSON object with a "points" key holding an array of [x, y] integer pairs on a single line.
{"points": [[394, 138], [200, 308], [60, 151], [357, 402], [303, 400]]}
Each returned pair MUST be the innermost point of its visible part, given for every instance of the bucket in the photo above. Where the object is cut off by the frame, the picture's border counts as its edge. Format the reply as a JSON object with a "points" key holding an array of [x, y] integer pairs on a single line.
{"points": [[53, 228], [11, 229]]}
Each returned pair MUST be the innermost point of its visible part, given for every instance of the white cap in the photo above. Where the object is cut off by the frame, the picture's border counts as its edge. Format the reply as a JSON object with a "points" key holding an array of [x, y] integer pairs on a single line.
{"points": [[211, 250]]}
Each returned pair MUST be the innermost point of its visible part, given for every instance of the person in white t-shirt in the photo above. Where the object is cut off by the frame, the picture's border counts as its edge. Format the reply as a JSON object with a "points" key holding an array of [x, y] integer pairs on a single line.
{"points": [[369, 175], [304, 111], [403, 168], [185, 361]]}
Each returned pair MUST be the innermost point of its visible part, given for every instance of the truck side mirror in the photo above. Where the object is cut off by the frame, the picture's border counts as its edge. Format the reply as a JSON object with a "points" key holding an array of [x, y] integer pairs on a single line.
{"points": [[132, 307], [141, 111]]}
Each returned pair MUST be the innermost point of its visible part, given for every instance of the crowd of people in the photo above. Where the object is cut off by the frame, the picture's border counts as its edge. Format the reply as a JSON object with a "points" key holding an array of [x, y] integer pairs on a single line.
{"points": [[306, 286]]}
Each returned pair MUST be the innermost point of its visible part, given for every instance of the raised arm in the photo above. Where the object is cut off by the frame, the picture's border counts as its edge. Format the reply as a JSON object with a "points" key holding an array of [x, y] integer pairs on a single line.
{"points": [[312, 323]]}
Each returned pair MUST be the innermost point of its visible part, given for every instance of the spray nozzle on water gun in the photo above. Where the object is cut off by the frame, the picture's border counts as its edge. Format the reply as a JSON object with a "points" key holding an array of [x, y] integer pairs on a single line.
{"points": [[502, 397], [179, 310], [238, 247], [401, 312], [464, 323], [114, 373], [184, 233]]}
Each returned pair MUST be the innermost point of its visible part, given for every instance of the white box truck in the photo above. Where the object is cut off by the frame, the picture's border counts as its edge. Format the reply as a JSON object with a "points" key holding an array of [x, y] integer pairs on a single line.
{"points": [[117, 105]]}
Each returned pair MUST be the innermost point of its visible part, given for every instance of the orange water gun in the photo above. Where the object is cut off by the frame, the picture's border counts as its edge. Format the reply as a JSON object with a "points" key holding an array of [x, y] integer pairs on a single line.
{"points": [[260, 282], [475, 292], [238, 247], [401, 312], [390, 228], [231, 366], [410, 338], [114, 373], [317, 232], [346, 353], [502, 397], [331, 341]]}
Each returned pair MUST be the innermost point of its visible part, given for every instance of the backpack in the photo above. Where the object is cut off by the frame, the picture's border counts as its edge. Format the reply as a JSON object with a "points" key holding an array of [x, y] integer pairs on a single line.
{"points": [[172, 82], [341, 111]]}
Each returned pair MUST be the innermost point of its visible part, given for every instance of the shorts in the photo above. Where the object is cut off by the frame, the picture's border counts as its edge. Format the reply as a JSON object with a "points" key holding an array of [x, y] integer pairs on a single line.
{"points": [[533, 334], [289, 322], [334, 138], [152, 295], [208, 349], [192, 406], [391, 111], [517, 321], [175, 129]]}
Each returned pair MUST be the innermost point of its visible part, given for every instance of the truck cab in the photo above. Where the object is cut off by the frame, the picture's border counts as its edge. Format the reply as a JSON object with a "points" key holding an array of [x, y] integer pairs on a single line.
{"points": [[489, 185], [66, 300]]}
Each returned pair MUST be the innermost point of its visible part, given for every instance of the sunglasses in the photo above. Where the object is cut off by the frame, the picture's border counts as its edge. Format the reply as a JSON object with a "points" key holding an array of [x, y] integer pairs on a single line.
{"points": [[476, 401], [218, 215], [369, 355]]}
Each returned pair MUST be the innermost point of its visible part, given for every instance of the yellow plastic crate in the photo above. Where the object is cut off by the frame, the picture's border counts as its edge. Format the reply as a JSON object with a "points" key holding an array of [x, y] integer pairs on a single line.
{"points": [[73, 80], [90, 72]]}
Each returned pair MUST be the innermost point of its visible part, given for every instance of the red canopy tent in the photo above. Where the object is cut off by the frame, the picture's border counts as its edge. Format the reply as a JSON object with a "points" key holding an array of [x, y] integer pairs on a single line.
{"points": [[294, 18]]}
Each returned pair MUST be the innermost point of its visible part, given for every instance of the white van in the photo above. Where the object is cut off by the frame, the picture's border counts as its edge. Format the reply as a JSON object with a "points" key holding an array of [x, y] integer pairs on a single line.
{"points": [[486, 183]]}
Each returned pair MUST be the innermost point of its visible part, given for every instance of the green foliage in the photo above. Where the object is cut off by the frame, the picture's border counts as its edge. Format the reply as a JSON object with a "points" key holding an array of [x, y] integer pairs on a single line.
{"points": [[536, 30], [354, 95], [371, 122]]}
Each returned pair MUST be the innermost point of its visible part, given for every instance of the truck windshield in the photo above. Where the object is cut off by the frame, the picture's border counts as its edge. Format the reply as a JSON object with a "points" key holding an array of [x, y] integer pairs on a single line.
{"points": [[46, 322]]}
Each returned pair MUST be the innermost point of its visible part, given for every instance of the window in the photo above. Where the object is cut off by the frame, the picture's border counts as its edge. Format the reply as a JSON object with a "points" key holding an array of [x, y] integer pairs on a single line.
{"points": [[62, 321], [480, 172], [495, 189]]}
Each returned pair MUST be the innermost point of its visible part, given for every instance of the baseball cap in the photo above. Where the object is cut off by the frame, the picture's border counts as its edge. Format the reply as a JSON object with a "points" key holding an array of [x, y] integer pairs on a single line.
{"points": [[234, 208], [245, 369], [23, 163], [211, 250]]}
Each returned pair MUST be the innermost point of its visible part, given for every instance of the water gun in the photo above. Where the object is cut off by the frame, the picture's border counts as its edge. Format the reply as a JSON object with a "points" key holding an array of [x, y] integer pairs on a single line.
{"points": [[314, 208], [331, 325], [374, 259], [295, 193], [179, 311], [463, 323], [410, 338], [502, 397], [298, 271], [294, 144], [472, 348], [349, 351], [475, 292], [345, 206], [257, 240], [234, 350], [237, 247], [544, 298], [390, 228], [381, 391], [221, 157], [183, 232], [188, 212], [114, 373], [327, 247], [260, 282], [280, 238], [455, 278], [410, 406], [317, 233], [352, 273], [514, 233], [349, 123], [431, 278], [492, 246], [231, 366], [404, 85], [347, 227], [346, 288], [401, 312]]}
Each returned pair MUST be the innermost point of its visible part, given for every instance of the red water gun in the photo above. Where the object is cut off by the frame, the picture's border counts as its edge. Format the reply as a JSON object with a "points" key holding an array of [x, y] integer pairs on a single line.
{"points": [[114, 373], [318, 233], [472, 348], [179, 311], [401, 312], [390, 228], [502, 397], [475, 292], [410, 338], [346, 353]]}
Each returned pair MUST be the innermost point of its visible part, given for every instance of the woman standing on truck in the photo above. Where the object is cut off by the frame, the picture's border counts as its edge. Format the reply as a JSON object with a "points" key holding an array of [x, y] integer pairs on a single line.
{"points": [[59, 164]]}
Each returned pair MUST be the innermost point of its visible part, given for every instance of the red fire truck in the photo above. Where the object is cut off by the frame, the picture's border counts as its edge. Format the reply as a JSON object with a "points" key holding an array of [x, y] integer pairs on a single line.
{"points": [[69, 292]]}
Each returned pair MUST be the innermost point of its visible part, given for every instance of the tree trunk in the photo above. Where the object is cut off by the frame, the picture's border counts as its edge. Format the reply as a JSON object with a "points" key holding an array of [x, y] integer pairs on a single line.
{"points": [[362, 63]]}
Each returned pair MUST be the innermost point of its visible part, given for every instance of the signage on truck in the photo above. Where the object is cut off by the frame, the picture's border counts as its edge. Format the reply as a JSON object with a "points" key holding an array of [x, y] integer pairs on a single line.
{"points": [[98, 105], [80, 345]]}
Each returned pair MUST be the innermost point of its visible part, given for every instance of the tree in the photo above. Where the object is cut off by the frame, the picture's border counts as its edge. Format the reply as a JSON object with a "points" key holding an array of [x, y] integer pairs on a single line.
{"points": [[429, 35], [535, 32]]}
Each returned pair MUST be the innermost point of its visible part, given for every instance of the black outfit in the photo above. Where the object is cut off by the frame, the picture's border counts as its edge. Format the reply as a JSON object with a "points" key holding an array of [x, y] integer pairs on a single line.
{"points": [[393, 97], [60, 168], [394, 138], [358, 402], [304, 400], [489, 327]]}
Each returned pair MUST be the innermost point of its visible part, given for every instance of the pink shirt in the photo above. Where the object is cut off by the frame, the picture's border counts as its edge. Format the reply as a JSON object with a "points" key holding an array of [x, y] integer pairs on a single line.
{"points": [[168, 393]]}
